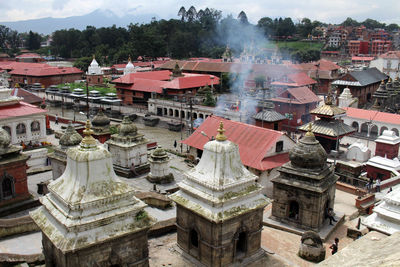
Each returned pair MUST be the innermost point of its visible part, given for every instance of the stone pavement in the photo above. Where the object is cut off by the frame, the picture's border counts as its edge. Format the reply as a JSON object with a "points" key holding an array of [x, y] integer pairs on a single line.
{"points": [[26, 244]]}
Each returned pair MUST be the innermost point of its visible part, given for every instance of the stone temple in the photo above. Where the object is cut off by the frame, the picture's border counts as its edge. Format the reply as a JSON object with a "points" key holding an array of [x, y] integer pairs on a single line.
{"points": [[70, 138], [220, 208], [129, 150], [90, 217], [305, 188]]}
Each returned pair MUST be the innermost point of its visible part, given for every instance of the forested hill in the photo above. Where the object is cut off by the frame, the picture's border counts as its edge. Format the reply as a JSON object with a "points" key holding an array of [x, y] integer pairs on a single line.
{"points": [[98, 18]]}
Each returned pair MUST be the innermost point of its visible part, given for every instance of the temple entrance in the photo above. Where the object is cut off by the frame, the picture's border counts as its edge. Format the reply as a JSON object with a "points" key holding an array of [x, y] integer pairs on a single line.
{"points": [[194, 238], [241, 246], [294, 210], [7, 188]]}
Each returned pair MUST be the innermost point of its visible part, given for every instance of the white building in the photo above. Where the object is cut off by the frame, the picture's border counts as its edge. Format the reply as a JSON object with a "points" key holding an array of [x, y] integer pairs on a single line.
{"points": [[388, 63], [94, 68], [129, 68], [24, 122]]}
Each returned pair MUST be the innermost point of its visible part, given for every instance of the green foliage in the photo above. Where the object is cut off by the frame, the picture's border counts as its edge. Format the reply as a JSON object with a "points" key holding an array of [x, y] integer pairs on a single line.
{"points": [[306, 55], [103, 90], [33, 41], [141, 215], [114, 129], [83, 63], [209, 101]]}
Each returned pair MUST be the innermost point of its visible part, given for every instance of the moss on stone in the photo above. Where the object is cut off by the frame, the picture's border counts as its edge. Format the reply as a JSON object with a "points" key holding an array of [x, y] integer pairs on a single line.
{"points": [[247, 190]]}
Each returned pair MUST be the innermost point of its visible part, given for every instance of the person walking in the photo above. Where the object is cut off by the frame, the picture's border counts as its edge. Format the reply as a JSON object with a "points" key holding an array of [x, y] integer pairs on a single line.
{"points": [[57, 119], [334, 246]]}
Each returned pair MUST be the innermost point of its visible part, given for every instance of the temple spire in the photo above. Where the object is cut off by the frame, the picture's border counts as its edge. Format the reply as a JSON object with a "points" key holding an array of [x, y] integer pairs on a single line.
{"points": [[309, 132], [88, 141], [221, 136]]}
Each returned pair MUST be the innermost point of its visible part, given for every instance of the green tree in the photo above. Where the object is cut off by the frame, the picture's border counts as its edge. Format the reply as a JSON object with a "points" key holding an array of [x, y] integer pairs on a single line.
{"points": [[83, 63], [33, 41], [182, 13], [242, 17], [210, 100], [267, 26]]}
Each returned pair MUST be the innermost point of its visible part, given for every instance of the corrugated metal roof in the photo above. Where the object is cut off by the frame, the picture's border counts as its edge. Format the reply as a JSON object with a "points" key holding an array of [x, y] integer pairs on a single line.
{"points": [[365, 77], [269, 116], [332, 128], [254, 142], [347, 83], [328, 110]]}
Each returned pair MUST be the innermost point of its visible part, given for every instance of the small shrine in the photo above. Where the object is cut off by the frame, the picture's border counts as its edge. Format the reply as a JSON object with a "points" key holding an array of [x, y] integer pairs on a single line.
{"points": [[94, 74], [129, 68], [220, 208], [358, 152], [386, 161], [101, 127], [305, 188], [346, 99], [129, 150], [90, 217], [13, 178], [268, 117], [159, 167], [70, 138], [386, 216], [380, 97], [329, 129]]}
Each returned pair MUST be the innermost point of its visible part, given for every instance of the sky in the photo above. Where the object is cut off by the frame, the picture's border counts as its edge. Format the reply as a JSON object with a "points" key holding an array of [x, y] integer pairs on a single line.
{"points": [[329, 11]]}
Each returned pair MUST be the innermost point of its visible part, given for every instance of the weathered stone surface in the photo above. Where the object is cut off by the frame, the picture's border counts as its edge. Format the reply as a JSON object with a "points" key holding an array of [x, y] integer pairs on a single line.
{"points": [[311, 247], [90, 217], [373, 249], [220, 208]]}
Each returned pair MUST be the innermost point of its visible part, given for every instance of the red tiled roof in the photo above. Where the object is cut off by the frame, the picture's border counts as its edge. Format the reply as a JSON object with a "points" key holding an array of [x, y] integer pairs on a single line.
{"points": [[29, 55], [27, 96], [161, 75], [254, 142], [146, 85], [11, 65], [373, 115], [18, 110], [391, 54], [362, 58], [300, 95], [191, 81], [296, 80], [324, 65], [46, 71]]}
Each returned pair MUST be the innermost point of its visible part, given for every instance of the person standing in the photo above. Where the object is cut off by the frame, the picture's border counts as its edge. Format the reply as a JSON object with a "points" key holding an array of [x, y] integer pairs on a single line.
{"points": [[57, 119], [331, 216], [378, 185], [334, 246]]}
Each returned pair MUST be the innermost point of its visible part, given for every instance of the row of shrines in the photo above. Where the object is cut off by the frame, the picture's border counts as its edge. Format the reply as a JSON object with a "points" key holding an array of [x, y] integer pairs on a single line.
{"points": [[91, 218]]}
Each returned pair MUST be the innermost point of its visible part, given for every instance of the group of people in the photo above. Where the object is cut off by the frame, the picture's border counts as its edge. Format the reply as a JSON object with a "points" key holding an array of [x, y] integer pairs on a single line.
{"points": [[370, 185]]}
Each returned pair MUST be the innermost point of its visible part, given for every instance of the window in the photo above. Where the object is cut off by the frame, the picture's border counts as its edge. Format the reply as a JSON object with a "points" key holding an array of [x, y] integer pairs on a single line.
{"points": [[241, 243], [294, 210], [279, 146], [35, 126], [21, 129], [6, 186]]}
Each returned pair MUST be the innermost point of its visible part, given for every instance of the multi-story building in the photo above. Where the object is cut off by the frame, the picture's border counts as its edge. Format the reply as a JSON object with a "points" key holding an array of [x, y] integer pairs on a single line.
{"points": [[379, 47], [388, 63], [358, 47]]}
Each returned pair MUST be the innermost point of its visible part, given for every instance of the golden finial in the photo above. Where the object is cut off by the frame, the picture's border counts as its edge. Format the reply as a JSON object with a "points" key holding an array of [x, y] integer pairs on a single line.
{"points": [[390, 80], [94, 56], [129, 58], [328, 100], [88, 140], [309, 132], [221, 136], [383, 82]]}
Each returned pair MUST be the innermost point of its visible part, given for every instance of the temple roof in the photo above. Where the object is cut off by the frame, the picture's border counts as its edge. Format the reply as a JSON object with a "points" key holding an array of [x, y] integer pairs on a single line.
{"points": [[88, 204], [269, 116], [333, 128], [220, 187], [328, 109]]}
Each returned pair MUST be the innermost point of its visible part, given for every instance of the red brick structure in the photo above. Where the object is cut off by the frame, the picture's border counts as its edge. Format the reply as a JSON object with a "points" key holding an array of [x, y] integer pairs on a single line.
{"points": [[45, 75], [13, 176], [29, 57], [357, 47], [138, 87], [379, 47], [296, 103]]}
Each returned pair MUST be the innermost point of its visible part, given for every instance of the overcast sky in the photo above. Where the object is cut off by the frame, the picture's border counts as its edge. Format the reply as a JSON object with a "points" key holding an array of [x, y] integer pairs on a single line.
{"points": [[330, 11]]}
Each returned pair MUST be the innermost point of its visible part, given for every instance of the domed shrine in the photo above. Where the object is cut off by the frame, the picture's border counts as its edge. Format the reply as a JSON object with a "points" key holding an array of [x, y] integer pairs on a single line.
{"points": [[94, 75], [129, 68], [305, 188], [101, 127], [220, 208], [129, 150], [13, 178], [70, 138], [159, 168], [90, 217]]}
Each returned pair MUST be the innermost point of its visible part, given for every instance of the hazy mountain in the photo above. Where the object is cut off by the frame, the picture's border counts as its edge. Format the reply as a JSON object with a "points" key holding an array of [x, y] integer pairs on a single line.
{"points": [[98, 18]]}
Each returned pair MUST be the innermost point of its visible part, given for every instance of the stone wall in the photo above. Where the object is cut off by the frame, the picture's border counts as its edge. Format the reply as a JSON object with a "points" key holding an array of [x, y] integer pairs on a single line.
{"points": [[217, 241], [130, 250], [38, 158], [17, 226]]}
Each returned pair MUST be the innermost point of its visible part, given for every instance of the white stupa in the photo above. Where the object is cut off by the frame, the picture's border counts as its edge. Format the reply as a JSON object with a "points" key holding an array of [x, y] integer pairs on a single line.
{"points": [[94, 68], [358, 151], [129, 68], [346, 99], [386, 216], [220, 187], [90, 208]]}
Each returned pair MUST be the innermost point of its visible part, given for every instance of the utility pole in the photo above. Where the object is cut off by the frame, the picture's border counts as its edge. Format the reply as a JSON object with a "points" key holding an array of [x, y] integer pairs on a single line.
{"points": [[87, 100]]}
